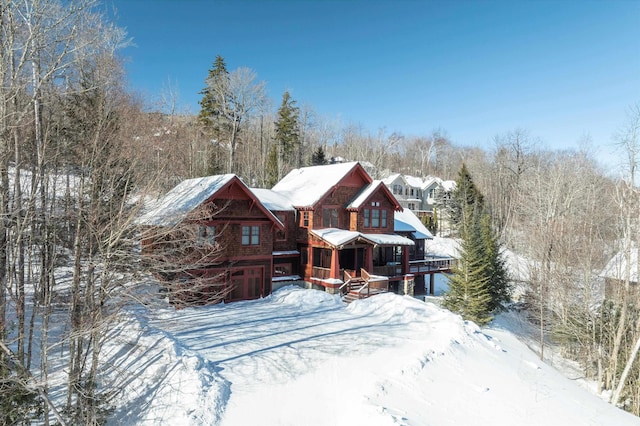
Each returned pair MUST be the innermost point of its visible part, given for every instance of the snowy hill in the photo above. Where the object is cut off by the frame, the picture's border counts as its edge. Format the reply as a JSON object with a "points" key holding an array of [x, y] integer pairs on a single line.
{"points": [[302, 357]]}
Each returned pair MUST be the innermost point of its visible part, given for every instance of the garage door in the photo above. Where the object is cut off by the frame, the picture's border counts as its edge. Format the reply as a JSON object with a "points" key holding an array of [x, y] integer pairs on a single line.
{"points": [[246, 283]]}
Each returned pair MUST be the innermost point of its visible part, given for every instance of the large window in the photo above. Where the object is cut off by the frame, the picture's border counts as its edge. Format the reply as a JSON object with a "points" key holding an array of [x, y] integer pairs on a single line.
{"points": [[330, 217], [250, 235], [375, 217]]}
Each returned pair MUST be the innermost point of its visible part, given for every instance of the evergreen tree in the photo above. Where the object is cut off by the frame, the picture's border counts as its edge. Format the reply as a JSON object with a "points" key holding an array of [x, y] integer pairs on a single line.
{"points": [[465, 194], [496, 272], [211, 113], [287, 129], [468, 292], [272, 166], [479, 284], [210, 110], [318, 158]]}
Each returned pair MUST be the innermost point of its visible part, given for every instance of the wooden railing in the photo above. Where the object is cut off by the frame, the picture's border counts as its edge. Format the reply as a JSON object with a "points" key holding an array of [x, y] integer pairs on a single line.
{"points": [[432, 264]]}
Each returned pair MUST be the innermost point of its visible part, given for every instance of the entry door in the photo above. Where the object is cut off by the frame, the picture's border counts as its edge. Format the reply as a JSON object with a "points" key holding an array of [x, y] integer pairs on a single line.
{"points": [[246, 284]]}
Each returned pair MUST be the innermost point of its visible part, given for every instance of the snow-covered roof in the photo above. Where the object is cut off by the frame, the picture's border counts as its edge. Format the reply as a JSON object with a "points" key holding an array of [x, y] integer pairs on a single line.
{"points": [[177, 203], [449, 185], [272, 200], [391, 178], [414, 181], [407, 221], [364, 194], [431, 180], [617, 267], [341, 237], [388, 239], [304, 187]]}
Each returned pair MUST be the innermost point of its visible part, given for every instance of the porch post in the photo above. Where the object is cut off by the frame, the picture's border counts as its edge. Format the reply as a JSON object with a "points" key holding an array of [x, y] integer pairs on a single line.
{"points": [[335, 264], [431, 284], [368, 255], [405, 260]]}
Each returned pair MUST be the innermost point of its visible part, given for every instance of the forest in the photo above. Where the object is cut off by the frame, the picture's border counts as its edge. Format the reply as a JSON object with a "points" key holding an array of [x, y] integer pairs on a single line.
{"points": [[80, 152]]}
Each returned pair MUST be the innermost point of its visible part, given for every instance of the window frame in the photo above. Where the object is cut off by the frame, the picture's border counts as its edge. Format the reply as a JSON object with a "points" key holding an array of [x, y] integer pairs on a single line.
{"points": [[252, 235]]}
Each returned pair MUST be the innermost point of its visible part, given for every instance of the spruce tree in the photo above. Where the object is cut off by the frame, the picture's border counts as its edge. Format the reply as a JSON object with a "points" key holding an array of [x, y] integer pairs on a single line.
{"points": [[318, 158], [496, 272], [479, 284], [468, 292], [287, 130], [211, 112]]}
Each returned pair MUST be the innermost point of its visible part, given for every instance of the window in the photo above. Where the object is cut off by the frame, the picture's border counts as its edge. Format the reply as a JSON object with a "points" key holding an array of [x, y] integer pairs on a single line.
{"points": [[330, 218], [375, 218], [282, 269], [250, 235], [206, 234], [305, 219], [397, 189], [432, 193]]}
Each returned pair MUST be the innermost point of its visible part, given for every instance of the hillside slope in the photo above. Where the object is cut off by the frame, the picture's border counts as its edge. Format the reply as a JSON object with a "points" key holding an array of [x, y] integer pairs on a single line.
{"points": [[303, 357]]}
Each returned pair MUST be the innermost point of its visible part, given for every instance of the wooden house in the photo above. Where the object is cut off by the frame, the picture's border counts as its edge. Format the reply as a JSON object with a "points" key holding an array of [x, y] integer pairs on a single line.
{"points": [[332, 227], [211, 239]]}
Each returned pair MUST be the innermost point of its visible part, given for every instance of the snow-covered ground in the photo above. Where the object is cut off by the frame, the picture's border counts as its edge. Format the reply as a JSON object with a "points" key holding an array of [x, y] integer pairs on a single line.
{"points": [[303, 357]]}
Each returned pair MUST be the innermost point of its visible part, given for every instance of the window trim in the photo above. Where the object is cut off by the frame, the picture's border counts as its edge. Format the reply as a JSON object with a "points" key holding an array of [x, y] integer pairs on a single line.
{"points": [[252, 235]]}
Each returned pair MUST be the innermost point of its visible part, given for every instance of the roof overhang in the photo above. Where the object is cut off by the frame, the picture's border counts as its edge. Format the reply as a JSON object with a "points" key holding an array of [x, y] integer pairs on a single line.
{"points": [[340, 238]]}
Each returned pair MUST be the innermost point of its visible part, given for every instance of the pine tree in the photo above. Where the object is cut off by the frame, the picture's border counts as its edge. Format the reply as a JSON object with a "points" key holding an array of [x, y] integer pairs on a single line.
{"points": [[496, 272], [465, 194], [468, 292], [211, 113], [287, 130], [480, 284], [272, 166], [318, 158]]}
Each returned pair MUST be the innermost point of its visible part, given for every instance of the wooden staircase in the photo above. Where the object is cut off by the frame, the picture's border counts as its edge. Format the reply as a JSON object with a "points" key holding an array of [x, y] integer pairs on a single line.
{"points": [[358, 288]]}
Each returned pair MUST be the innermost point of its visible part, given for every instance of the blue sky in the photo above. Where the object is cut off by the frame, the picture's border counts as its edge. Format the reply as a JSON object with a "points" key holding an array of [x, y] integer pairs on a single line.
{"points": [[562, 70]]}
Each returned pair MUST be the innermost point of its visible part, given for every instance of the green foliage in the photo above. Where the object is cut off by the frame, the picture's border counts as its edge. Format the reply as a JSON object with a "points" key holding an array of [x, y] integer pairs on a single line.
{"points": [[465, 194], [480, 284], [272, 166], [468, 292], [319, 158], [496, 270], [287, 130], [18, 402], [210, 108], [431, 222]]}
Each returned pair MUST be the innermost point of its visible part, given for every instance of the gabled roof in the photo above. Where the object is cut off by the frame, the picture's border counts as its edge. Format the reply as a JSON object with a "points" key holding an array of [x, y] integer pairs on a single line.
{"points": [[191, 193], [617, 267], [413, 181], [272, 200], [407, 221], [306, 186], [368, 191], [392, 178]]}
